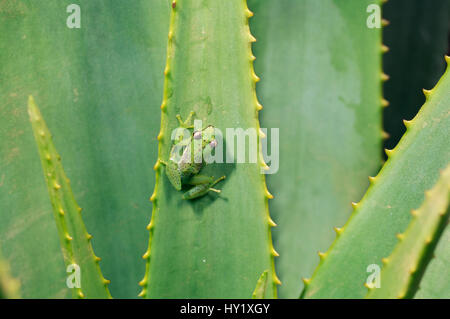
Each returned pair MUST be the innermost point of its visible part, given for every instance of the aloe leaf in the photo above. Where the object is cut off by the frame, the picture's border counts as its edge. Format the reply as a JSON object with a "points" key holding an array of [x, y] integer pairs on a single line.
{"points": [[100, 88], [370, 234], [417, 38], [9, 286], [406, 263], [74, 239], [216, 246], [435, 283], [321, 86], [261, 285]]}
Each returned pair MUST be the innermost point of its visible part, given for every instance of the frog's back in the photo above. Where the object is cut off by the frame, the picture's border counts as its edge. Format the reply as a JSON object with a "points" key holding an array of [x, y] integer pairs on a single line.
{"points": [[188, 165], [187, 170]]}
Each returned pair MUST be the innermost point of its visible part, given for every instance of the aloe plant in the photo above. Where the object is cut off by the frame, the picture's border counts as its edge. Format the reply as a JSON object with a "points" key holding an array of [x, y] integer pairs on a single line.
{"points": [[337, 144], [112, 106], [99, 88], [75, 240], [385, 209], [400, 270]]}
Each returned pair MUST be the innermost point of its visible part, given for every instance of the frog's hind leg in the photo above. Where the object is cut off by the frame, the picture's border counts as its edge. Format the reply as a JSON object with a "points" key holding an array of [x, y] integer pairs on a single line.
{"points": [[200, 179], [202, 189], [185, 124], [214, 183], [173, 174]]}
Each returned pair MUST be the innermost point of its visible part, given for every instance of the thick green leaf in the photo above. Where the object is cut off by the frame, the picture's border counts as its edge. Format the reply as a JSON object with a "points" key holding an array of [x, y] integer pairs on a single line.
{"points": [[403, 267], [216, 246], [74, 239], [100, 88], [321, 86], [436, 281], [418, 38], [370, 234]]}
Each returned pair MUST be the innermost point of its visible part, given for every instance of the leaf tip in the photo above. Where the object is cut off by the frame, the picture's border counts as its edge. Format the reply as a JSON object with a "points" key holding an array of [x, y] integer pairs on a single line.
{"points": [[427, 93], [338, 230], [322, 256], [407, 123], [274, 252], [370, 287], [389, 152], [142, 293], [146, 255], [271, 222]]}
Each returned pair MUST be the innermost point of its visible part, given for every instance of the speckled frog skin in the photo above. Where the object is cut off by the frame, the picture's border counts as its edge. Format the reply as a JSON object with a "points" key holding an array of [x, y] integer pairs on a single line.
{"points": [[186, 160]]}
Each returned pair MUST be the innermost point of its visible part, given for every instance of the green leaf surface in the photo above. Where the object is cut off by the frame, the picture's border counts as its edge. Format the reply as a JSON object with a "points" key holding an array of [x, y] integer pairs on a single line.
{"points": [[216, 246], [320, 70], [100, 88], [370, 234], [74, 239], [404, 266], [417, 38], [435, 283]]}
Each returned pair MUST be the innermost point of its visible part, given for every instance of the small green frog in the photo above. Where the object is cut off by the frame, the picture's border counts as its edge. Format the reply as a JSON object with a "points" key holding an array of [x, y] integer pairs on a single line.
{"points": [[187, 159]]}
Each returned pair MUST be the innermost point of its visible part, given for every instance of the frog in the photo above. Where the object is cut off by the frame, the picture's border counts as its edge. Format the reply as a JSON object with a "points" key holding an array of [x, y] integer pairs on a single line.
{"points": [[186, 159]]}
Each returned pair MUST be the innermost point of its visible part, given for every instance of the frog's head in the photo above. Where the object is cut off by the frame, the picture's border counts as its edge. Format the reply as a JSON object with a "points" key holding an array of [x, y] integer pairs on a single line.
{"points": [[207, 135]]}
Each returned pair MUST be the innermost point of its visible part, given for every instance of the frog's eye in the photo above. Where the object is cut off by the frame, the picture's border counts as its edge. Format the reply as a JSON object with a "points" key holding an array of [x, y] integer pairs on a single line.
{"points": [[213, 144], [197, 135]]}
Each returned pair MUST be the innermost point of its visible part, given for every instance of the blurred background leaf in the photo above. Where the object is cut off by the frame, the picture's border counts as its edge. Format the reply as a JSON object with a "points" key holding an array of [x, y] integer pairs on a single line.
{"points": [[370, 234], [320, 68], [100, 88]]}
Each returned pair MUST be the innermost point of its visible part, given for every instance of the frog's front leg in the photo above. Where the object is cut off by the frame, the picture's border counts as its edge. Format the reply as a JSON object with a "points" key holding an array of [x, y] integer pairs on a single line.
{"points": [[203, 184], [185, 124]]}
